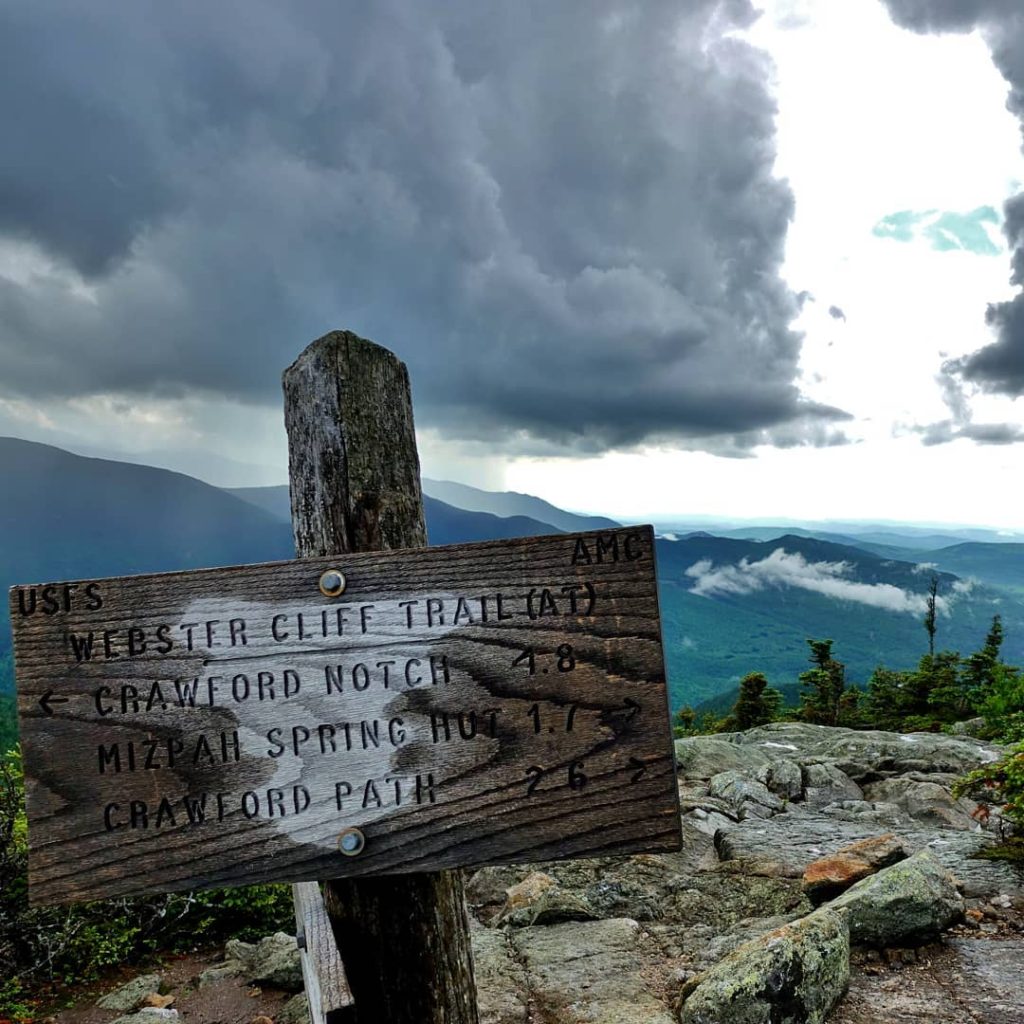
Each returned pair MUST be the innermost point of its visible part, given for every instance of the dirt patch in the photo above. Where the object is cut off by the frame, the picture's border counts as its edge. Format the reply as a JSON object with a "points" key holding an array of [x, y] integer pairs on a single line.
{"points": [[961, 981], [228, 1001]]}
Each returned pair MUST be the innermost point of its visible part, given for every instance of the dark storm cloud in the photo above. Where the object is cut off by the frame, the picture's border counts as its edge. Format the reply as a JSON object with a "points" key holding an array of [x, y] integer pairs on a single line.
{"points": [[999, 366], [563, 216], [960, 423]]}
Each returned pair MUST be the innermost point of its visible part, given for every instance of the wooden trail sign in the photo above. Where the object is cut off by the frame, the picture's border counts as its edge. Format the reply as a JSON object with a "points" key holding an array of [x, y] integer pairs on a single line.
{"points": [[473, 704]]}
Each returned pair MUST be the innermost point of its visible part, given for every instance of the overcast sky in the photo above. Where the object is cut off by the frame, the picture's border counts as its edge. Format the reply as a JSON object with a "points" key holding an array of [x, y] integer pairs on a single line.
{"points": [[700, 257]]}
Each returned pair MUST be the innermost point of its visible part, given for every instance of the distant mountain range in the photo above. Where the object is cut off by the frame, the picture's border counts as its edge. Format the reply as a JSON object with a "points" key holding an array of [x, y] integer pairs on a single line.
{"points": [[510, 503], [445, 524], [730, 604]]}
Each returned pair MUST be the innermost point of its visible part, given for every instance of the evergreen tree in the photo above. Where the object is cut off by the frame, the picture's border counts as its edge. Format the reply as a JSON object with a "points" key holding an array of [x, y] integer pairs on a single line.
{"points": [[821, 699], [887, 698], [937, 692], [980, 667], [929, 618], [685, 720], [757, 703]]}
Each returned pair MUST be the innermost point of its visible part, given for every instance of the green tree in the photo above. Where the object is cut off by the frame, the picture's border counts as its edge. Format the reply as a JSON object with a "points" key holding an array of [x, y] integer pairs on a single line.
{"points": [[683, 723], [886, 700], [979, 672], [937, 693], [929, 618], [757, 702], [823, 686], [1003, 705]]}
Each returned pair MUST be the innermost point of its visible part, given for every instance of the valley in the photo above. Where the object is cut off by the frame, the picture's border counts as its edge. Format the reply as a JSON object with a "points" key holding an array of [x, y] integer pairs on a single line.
{"points": [[734, 599]]}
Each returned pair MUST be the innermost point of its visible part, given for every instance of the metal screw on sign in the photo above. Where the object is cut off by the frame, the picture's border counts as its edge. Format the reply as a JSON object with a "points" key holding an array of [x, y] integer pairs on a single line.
{"points": [[332, 583], [351, 842]]}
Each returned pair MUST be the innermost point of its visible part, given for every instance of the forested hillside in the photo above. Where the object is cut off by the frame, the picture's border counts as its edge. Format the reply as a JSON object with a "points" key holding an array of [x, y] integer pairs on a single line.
{"points": [[733, 606], [730, 605]]}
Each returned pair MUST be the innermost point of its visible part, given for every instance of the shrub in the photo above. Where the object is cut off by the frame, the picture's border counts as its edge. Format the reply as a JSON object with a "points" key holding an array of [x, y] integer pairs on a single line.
{"points": [[1003, 705], [1000, 782], [71, 944]]}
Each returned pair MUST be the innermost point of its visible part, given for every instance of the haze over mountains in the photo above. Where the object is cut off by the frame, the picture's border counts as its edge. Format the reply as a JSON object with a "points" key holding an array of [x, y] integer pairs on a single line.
{"points": [[744, 600]]}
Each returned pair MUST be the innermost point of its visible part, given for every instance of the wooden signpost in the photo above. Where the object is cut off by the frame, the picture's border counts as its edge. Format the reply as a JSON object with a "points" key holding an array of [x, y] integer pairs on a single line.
{"points": [[376, 713], [352, 714]]}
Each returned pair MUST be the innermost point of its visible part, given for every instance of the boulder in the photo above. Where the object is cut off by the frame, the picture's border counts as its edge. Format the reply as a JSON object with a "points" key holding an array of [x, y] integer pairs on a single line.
{"points": [[749, 797], [903, 904], [220, 972], [969, 727], [792, 975], [130, 995], [829, 876], [538, 899], [701, 757], [889, 753], [825, 784], [925, 798], [783, 846], [157, 1001], [149, 1015], [865, 812], [295, 1011], [273, 961], [709, 822], [783, 777], [502, 992], [591, 971]]}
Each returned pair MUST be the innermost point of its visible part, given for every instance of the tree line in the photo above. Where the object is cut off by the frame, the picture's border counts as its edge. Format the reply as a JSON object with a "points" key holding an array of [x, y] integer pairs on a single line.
{"points": [[943, 688], [980, 691]]}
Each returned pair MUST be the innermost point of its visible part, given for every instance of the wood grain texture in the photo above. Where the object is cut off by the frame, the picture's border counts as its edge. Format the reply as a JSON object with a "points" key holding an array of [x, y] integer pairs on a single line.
{"points": [[323, 973], [355, 486], [430, 698], [353, 465]]}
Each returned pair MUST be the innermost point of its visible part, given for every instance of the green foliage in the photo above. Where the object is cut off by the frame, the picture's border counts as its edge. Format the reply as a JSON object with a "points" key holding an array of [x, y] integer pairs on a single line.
{"points": [[945, 688], [756, 704], [8, 708], [711, 643], [1002, 705], [824, 686], [72, 944], [929, 619], [688, 723], [999, 782], [886, 698], [8, 724]]}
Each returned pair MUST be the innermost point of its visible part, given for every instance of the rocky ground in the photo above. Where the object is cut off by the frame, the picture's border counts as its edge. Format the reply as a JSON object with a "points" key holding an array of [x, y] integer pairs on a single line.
{"points": [[243, 984], [825, 874], [814, 861]]}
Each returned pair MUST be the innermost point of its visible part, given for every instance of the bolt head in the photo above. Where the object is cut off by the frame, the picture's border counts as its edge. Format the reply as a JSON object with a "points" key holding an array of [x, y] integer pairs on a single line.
{"points": [[332, 583], [351, 842]]}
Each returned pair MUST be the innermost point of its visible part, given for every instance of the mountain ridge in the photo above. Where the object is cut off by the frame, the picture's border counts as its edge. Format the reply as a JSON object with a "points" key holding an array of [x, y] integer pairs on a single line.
{"points": [[729, 605]]}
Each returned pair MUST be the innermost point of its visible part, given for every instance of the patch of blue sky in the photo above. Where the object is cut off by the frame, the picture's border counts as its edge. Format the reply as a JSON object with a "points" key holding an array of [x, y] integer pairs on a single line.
{"points": [[945, 230]]}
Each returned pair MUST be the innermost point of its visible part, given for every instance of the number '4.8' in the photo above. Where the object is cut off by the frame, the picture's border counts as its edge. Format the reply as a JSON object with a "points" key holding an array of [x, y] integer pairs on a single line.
{"points": [[566, 659]]}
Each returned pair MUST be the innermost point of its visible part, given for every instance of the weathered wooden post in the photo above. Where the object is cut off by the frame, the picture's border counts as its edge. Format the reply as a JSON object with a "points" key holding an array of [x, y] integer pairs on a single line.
{"points": [[378, 717], [355, 486]]}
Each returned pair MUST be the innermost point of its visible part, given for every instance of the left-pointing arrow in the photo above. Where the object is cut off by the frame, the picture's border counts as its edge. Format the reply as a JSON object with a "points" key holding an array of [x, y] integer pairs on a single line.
{"points": [[47, 699]]}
